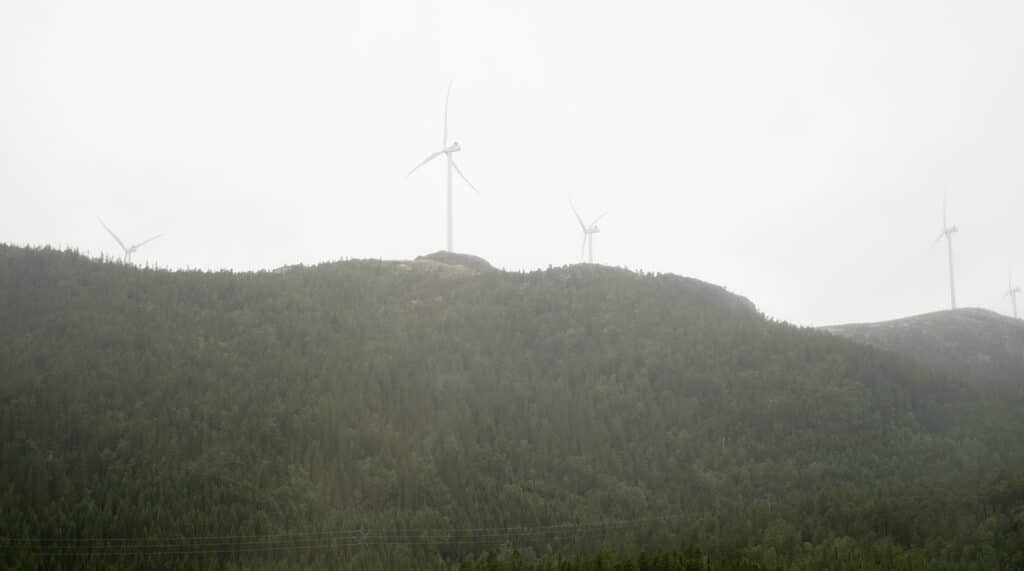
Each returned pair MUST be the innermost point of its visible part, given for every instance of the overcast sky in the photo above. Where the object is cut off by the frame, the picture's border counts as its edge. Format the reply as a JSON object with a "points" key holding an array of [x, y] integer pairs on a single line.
{"points": [[796, 153]]}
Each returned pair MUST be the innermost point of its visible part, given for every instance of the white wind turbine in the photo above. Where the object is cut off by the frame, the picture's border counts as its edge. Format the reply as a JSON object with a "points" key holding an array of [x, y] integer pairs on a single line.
{"points": [[588, 234], [447, 150], [128, 250], [1012, 292], [947, 233]]}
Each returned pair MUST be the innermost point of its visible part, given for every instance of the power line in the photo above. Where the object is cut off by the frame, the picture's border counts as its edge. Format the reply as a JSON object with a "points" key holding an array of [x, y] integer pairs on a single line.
{"points": [[199, 545], [352, 531]]}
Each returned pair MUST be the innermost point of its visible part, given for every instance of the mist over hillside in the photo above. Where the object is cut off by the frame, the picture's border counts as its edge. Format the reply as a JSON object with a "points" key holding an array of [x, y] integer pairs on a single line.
{"points": [[976, 345], [409, 403]]}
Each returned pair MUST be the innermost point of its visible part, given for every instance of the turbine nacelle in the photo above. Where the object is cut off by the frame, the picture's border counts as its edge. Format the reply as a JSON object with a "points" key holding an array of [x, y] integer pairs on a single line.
{"points": [[1012, 293], [447, 149], [588, 233], [947, 233], [128, 250]]}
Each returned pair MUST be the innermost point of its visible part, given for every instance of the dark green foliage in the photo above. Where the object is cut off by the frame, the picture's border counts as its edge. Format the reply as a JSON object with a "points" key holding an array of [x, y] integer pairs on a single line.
{"points": [[421, 414], [685, 560]]}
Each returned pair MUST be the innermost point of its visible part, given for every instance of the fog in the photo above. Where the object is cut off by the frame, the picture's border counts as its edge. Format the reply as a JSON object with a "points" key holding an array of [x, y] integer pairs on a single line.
{"points": [[796, 153]]}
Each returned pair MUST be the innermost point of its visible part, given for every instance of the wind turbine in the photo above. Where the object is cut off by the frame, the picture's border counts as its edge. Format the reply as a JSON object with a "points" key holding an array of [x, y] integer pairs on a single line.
{"points": [[588, 234], [447, 150], [1012, 292], [128, 250], [947, 233]]}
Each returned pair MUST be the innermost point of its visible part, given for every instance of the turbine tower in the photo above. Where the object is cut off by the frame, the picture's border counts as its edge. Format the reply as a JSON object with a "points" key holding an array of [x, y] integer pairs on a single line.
{"points": [[447, 150], [1012, 292], [128, 250], [947, 233], [588, 234]]}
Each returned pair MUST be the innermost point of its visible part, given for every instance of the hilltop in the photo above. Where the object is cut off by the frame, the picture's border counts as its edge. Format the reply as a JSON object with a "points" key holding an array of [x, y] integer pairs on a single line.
{"points": [[423, 401], [464, 262], [973, 344]]}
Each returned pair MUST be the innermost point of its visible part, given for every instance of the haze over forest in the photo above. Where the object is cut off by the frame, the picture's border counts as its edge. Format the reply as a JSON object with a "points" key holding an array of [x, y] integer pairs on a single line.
{"points": [[437, 413], [795, 153], [696, 314]]}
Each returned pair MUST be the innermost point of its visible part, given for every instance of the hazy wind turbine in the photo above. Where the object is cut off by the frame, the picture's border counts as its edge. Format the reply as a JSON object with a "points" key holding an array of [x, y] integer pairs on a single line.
{"points": [[128, 250], [947, 233], [447, 151], [588, 233], [1012, 292]]}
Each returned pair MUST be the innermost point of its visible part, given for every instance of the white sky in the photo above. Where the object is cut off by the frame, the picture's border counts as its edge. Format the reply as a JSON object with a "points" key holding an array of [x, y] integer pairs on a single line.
{"points": [[794, 152]]}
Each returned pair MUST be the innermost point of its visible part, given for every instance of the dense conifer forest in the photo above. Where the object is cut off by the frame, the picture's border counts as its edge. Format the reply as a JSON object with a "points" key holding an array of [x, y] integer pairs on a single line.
{"points": [[440, 414]]}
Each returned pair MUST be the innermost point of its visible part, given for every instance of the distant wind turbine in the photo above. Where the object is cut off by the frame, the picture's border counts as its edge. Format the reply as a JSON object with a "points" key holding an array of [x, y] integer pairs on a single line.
{"points": [[588, 234], [1012, 292], [447, 150], [128, 250], [947, 233]]}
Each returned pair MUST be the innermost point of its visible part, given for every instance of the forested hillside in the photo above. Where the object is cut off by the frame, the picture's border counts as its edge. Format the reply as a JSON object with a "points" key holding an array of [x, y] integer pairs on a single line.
{"points": [[974, 344], [441, 414]]}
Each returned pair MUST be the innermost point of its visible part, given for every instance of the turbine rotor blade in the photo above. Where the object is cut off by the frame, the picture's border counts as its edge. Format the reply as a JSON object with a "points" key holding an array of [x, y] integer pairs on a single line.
{"points": [[425, 161], [578, 217], [598, 219], [111, 232], [458, 170], [144, 242]]}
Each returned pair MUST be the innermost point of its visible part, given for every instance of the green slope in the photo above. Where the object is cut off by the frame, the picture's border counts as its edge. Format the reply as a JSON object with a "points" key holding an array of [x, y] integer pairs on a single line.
{"points": [[414, 399], [974, 344]]}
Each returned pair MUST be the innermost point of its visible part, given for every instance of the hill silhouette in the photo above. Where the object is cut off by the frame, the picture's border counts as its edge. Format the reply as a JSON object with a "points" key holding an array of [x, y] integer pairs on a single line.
{"points": [[974, 344], [470, 262], [401, 410]]}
